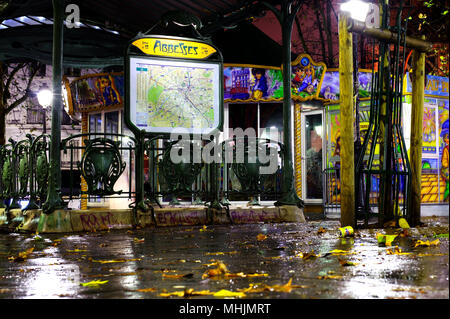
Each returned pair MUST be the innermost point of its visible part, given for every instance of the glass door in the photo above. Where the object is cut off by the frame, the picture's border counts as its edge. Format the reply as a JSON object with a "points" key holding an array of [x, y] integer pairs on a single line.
{"points": [[312, 156]]}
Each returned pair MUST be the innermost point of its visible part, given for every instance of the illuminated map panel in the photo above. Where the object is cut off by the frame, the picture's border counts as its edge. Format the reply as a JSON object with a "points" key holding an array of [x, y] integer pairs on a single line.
{"points": [[174, 94]]}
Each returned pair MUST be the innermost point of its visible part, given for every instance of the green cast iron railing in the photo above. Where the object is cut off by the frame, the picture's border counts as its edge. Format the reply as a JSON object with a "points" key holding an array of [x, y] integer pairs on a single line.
{"points": [[102, 158]]}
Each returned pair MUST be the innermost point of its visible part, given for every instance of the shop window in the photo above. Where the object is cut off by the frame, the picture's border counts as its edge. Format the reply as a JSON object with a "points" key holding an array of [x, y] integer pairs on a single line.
{"points": [[35, 115], [242, 116], [104, 122], [266, 119], [95, 123], [112, 124], [271, 121]]}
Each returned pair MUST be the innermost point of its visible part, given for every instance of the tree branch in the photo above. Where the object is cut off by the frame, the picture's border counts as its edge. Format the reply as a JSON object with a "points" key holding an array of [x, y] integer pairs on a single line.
{"points": [[25, 95], [8, 81], [300, 34]]}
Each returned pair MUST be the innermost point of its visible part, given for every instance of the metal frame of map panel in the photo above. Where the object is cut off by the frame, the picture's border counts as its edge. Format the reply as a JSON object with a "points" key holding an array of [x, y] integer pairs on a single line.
{"points": [[214, 58]]}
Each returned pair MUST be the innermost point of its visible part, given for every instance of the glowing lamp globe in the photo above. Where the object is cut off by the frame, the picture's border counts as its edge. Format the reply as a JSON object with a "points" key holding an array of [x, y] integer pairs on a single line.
{"points": [[45, 97]]}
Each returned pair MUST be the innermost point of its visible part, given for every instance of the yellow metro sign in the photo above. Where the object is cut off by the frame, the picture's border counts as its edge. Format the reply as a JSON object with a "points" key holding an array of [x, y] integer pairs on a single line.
{"points": [[174, 48]]}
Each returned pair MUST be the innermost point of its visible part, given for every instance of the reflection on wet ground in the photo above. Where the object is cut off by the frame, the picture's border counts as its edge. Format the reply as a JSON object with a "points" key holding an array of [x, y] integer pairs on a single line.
{"points": [[285, 261]]}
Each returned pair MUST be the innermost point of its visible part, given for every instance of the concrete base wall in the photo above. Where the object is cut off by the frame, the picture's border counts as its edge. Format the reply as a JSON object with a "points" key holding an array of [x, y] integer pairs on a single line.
{"points": [[66, 221]]}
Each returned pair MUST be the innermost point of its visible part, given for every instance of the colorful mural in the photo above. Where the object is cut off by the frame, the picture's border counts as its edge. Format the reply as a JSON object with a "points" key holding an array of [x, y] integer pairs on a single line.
{"points": [[434, 85], [443, 150], [96, 91], [307, 77], [429, 130], [252, 83], [330, 85]]}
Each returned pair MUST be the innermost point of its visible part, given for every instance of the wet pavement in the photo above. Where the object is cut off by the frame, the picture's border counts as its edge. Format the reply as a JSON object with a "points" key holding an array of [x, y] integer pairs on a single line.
{"points": [[256, 261]]}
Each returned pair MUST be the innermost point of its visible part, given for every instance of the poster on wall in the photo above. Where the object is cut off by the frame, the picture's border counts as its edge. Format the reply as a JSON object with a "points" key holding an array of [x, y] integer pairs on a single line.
{"points": [[307, 77], [252, 83], [95, 91], [330, 85], [443, 149]]}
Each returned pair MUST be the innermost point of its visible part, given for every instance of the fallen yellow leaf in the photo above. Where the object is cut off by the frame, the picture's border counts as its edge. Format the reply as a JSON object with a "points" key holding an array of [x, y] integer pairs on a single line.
{"points": [[222, 253], [147, 290], [396, 251], [261, 237], [385, 239], [254, 288], [420, 243], [94, 283], [306, 255], [220, 270], [329, 277], [75, 250], [122, 260], [186, 293], [137, 240], [337, 252], [346, 263], [227, 293]]}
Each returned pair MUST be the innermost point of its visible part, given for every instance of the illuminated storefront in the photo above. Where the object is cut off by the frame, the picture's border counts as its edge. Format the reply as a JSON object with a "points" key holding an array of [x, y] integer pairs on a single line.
{"points": [[253, 99]]}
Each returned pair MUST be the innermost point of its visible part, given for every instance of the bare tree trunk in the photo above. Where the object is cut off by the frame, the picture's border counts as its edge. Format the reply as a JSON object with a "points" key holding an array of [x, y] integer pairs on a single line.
{"points": [[2, 127]]}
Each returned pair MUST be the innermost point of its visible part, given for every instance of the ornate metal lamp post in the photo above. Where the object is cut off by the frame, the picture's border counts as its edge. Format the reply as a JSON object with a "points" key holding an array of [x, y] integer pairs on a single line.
{"points": [[54, 200], [286, 15]]}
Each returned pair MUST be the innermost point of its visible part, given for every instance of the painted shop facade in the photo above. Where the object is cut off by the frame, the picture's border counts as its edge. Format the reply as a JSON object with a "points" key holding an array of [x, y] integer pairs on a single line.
{"points": [[253, 99]]}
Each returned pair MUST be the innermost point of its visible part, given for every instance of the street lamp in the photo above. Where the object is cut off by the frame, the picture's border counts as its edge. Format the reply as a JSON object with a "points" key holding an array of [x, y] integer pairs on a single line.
{"points": [[358, 9], [45, 98]]}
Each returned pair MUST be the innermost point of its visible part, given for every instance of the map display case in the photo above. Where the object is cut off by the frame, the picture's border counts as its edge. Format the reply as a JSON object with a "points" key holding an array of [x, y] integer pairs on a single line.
{"points": [[173, 83]]}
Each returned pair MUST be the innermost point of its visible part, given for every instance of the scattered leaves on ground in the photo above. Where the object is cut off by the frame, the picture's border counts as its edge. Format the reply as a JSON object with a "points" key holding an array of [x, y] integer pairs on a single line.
{"points": [[321, 230], [255, 288], [221, 253], [222, 271], [22, 256], [186, 293]]}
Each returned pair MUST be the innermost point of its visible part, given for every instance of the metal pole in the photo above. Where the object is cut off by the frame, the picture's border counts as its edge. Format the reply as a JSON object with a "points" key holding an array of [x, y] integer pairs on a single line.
{"points": [[285, 16], [44, 130], [54, 200], [347, 116]]}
